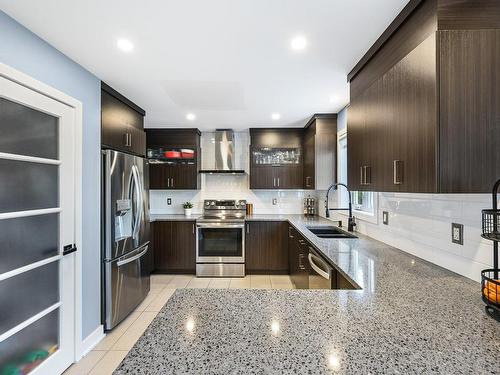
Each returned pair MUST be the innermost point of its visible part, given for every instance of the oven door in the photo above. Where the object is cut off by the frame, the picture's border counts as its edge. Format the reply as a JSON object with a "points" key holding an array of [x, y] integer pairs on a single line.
{"points": [[220, 243]]}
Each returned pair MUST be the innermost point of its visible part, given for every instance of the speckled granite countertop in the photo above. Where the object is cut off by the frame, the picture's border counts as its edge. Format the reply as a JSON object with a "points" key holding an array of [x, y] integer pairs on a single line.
{"points": [[409, 317]]}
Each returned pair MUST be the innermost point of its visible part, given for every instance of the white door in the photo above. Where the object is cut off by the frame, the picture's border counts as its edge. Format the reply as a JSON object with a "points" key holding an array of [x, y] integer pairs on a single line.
{"points": [[37, 221]]}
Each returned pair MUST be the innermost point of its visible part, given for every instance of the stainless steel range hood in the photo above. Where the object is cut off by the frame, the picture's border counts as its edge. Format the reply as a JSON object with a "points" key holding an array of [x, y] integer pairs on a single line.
{"points": [[224, 153]]}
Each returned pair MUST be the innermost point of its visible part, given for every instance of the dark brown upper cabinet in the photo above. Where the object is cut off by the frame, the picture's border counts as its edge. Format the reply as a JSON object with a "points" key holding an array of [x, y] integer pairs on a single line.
{"points": [[122, 123], [174, 158], [425, 102], [276, 158], [320, 150]]}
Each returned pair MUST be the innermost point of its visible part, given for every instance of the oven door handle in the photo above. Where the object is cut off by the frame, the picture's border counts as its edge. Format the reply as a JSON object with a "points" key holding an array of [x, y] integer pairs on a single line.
{"points": [[222, 226]]}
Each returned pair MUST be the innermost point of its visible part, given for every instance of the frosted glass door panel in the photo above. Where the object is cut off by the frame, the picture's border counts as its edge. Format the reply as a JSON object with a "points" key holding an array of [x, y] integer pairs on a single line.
{"points": [[27, 294], [26, 131], [27, 186], [32, 345], [27, 240]]}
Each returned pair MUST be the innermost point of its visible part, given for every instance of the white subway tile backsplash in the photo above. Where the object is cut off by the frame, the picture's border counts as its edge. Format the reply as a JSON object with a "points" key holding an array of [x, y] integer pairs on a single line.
{"points": [[420, 224]]}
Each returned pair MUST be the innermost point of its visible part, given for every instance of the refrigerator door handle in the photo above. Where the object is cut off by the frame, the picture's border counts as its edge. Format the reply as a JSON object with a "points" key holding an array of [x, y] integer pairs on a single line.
{"points": [[133, 258], [138, 192]]}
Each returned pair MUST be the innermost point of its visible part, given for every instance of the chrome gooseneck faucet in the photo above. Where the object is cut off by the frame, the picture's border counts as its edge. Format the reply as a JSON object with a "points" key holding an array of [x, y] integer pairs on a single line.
{"points": [[351, 222]]}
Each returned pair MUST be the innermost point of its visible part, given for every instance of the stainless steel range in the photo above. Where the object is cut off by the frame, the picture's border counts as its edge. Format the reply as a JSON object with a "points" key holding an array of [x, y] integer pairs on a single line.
{"points": [[220, 239]]}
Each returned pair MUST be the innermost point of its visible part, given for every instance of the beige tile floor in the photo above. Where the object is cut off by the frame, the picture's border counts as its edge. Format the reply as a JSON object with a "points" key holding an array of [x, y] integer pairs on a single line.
{"points": [[108, 354]]}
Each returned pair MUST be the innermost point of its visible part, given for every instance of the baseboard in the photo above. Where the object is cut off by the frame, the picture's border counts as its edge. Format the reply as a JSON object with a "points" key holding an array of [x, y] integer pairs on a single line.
{"points": [[90, 342]]}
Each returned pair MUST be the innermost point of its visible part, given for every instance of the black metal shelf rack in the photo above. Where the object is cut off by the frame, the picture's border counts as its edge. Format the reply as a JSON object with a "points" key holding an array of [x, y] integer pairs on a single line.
{"points": [[490, 283]]}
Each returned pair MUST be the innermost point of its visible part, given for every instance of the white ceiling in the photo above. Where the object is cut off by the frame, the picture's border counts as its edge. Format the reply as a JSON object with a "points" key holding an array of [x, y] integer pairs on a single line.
{"points": [[227, 61]]}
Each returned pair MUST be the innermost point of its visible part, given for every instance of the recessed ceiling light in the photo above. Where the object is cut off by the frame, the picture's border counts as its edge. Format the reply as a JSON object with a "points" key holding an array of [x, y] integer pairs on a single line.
{"points": [[275, 116], [298, 43], [191, 116], [334, 98], [125, 45]]}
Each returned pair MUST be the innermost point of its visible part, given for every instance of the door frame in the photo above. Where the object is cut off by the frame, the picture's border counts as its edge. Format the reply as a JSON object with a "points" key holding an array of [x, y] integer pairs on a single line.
{"points": [[44, 89]]}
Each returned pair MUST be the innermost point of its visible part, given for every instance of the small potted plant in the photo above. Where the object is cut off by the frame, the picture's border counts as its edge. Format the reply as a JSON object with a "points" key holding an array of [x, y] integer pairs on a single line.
{"points": [[188, 207]]}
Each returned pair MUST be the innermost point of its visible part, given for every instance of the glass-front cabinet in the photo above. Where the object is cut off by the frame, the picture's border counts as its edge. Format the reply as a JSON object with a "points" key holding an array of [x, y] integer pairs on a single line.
{"points": [[276, 155]]}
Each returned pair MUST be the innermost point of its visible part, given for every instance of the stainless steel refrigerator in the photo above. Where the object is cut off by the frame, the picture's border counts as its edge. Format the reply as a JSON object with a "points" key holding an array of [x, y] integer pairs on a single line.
{"points": [[126, 259]]}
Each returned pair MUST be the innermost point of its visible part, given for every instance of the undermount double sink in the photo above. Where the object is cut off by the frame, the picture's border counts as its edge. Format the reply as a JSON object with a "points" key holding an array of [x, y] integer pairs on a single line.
{"points": [[330, 232]]}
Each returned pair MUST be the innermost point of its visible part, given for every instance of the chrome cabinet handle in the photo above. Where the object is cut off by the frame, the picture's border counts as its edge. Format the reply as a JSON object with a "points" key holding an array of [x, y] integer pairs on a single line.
{"points": [[361, 179], [397, 172], [274, 181], [248, 228], [168, 182], [278, 182], [172, 181], [193, 228], [368, 175], [316, 268], [308, 181], [290, 232]]}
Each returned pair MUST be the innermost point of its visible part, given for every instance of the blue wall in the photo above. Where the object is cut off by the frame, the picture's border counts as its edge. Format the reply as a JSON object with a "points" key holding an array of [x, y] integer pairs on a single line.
{"points": [[24, 51]]}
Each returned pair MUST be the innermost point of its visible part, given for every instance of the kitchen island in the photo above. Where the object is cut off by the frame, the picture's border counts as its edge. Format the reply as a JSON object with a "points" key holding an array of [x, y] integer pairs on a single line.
{"points": [[409, 316]]}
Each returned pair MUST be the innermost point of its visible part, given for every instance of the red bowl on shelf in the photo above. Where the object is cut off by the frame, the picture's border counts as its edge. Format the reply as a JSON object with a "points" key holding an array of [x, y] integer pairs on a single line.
{"points": [[187, 153], [172, 154]]}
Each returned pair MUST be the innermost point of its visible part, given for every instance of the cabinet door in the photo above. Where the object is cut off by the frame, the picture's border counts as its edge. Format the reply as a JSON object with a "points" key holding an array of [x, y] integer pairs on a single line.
{"points": [[309, 159], [162, 238], [137, 140], [414, 168], [182, 251], [469, 100], [275, 244], [113, 128], [159, 175], [254, 251], [288, 177], [184, 177], [262, 177]]}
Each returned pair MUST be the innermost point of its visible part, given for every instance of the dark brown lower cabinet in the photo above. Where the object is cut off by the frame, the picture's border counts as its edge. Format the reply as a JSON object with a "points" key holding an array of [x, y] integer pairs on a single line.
{"points": [[297, 255], [266, 247], [174, 244]]}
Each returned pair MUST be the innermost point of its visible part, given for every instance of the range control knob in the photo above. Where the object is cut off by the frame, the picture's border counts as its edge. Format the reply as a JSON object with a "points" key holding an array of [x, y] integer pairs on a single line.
{"points": [[212, 203], [207, 203]]}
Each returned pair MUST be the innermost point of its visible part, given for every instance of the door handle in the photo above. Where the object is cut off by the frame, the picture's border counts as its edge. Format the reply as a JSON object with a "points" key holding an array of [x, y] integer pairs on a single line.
{"points": [[274, 181], [316, 268], [68, 249], [397, 172], [278, 182]]}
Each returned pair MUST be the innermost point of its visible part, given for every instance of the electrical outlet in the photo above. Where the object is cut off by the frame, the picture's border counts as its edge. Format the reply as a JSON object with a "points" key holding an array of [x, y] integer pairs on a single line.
{"points": [[385, 217], [457, 233], [169, 201], [275, 201]]}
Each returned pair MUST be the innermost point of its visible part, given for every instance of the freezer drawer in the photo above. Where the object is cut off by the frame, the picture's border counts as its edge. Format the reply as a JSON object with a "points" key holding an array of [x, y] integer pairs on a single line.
{"points": [[126, 284]]}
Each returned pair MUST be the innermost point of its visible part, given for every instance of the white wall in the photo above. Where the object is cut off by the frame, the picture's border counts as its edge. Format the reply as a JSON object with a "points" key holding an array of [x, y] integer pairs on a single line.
{"points": [[228, 186]]}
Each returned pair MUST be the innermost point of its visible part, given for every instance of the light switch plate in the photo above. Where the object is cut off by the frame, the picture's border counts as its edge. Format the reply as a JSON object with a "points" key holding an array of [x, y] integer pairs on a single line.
{"points": [[457, 233], [169, 201], [385, 217]]}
